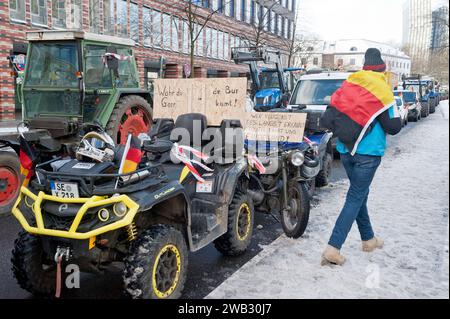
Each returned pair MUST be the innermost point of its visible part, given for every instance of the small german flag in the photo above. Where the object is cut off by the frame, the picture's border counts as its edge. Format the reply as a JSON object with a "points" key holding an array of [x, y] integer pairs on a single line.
{"points": [[133, 157], [27, 158]]}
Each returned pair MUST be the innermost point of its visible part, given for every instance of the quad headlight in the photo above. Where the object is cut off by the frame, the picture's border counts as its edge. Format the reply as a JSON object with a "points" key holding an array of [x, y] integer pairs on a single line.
{"points": [[120, 209], [297, 158], [103, 214]]}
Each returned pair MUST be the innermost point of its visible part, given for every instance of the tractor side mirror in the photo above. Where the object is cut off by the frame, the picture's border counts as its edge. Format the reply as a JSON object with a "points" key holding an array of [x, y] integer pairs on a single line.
{"points": [[111, 61]]}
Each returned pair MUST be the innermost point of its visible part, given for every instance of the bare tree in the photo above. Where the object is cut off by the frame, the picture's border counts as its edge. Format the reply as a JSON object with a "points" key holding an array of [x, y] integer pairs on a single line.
{"points": [[197, 18], [261, 23]]}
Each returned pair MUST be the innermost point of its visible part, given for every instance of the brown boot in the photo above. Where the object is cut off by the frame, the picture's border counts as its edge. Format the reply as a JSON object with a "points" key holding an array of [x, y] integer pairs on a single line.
{"points": [[370, 245], [332, 255]]}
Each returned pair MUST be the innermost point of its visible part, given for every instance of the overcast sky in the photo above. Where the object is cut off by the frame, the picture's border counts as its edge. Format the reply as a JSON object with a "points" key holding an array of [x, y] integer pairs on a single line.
{"points": [[377, 20]]}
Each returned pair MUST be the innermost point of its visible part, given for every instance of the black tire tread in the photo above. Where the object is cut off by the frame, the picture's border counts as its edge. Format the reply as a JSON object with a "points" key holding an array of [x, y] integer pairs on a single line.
{"points": [[29, 278], [303, 224], [228, 244], [323, 178], [143, 251]]}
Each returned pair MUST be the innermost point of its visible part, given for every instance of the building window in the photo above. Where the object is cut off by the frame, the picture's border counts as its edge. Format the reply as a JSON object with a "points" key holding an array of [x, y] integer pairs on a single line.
{"points": [[200, 39], [316, 61], [226, 50], [134, 22], [58, 13], [146, 25], [352, 61], [238, 10], [208, 45], [353, 49], [215, 46], [94, 16], [221, 45], [280, 25], [252, 11], [265, 18], [122, 18], [156, 29], [286, 28], [186, 40], [108, 17], [17, 10], [175, 34], [230, 8], [166, 26], [39, 12]]}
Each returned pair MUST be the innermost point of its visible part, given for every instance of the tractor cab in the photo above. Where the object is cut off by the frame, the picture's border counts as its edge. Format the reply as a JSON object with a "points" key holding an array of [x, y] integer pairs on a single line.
{"points": [[269, 88], [74, 77]]}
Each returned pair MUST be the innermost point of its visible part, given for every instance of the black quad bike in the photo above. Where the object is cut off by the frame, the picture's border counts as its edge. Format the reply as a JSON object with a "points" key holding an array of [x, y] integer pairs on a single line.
{"points": [[86, 213]]}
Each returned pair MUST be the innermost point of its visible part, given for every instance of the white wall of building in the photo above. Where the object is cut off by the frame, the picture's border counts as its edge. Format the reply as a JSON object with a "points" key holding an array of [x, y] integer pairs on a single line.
{"points": [[349, 55]]}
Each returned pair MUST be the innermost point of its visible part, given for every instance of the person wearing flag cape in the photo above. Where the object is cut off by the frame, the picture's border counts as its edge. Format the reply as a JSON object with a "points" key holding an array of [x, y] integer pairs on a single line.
{"points": [[361, 113]]}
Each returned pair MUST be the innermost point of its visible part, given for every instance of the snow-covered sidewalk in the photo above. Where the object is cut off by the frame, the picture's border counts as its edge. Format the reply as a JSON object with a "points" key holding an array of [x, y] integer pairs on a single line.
{"points": [[409, 207]]}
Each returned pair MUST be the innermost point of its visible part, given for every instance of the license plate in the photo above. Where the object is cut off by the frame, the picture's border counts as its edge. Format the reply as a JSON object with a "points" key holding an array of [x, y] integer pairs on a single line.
{"points": [[64, 190], [206, 187]]}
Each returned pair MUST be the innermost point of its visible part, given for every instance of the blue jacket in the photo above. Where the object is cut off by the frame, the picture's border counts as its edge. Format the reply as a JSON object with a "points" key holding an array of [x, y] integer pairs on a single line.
{"points": [[374, 143]]}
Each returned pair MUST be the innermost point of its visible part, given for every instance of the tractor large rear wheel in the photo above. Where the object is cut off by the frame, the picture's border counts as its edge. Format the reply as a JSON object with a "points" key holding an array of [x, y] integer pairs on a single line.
{"points": [[132, 114], [10, 180]]}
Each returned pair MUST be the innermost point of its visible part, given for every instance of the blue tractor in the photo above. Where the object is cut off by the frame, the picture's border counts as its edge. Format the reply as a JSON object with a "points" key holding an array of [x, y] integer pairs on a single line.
{"points": [[271, 87], [270, 92], [425, 87]]}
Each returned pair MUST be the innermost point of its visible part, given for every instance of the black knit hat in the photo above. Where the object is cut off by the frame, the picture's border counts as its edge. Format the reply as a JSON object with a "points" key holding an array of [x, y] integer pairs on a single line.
{"points": [[373, 61]]}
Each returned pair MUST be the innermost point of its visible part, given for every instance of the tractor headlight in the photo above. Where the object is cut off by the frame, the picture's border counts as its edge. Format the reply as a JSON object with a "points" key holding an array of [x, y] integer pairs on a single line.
{"points": [[103, 214], [120, 209], [297, 158]]}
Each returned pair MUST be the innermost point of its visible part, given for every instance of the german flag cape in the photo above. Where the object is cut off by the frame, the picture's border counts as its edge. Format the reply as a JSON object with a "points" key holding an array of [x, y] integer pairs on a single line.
{"points": [[360, 100], [27, 156]]}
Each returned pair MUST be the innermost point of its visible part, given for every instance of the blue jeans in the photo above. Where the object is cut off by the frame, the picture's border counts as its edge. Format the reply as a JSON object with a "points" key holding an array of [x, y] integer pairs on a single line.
{"points": [[360, 170]]}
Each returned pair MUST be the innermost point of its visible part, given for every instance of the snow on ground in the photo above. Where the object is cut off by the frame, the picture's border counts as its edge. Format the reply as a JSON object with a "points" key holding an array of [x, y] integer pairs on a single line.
{"points": [[409, 207]]}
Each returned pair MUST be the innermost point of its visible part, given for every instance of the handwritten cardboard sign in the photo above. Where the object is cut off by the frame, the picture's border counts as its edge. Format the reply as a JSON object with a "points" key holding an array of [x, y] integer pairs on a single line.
{"points": [[217, 98], [224, 98], [282, 127]]}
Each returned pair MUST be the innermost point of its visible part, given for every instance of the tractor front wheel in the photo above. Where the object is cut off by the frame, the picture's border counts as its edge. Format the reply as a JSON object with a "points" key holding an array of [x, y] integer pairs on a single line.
{"points": [[132, 114], [9, 180]]}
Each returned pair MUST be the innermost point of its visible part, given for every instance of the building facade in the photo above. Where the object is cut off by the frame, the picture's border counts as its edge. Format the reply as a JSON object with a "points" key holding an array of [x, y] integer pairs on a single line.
{"points": [[158, 27], [439, 31], [348, 55], [417, 30]]}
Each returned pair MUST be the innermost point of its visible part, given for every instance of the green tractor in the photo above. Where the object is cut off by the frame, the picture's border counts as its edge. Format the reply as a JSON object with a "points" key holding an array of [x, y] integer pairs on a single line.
{"points": [[71, 78]]}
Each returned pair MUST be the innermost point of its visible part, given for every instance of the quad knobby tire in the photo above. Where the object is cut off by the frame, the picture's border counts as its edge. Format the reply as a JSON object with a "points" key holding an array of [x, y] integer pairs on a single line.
{"points": [[240, 227], [156, 265], [295, 221], [32, 270], [132, 114], [10, 180], [323, 178]]}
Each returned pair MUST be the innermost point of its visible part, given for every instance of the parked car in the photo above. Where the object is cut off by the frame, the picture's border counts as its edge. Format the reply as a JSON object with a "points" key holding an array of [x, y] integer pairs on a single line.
{"points": [[313, 93], [403, 110], [411, 99]]}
